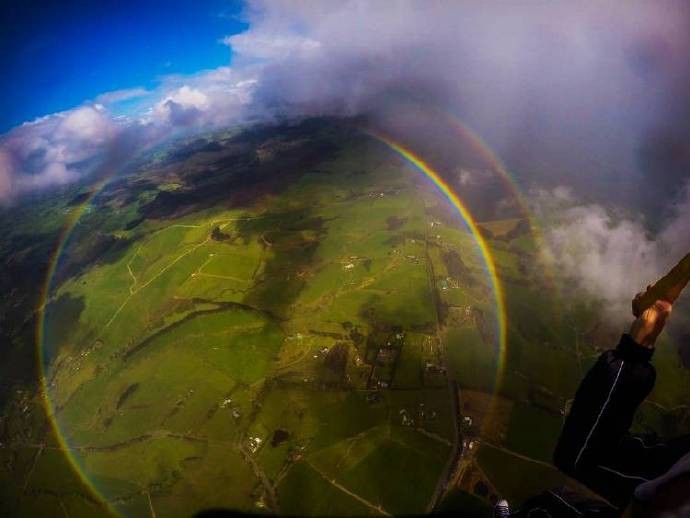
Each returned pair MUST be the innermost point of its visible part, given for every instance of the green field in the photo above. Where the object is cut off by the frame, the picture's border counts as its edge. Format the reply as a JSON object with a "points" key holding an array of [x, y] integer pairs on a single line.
{"points": [[276, 332]]}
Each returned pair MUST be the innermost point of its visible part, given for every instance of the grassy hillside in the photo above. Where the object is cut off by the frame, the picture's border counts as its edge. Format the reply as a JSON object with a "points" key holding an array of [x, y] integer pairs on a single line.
{"points": [[279, 323]]}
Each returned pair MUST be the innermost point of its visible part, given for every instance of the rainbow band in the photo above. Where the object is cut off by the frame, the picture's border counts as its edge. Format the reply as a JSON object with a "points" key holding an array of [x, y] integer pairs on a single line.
{"points": [[69, 227], [479, 146], [466, 216]]}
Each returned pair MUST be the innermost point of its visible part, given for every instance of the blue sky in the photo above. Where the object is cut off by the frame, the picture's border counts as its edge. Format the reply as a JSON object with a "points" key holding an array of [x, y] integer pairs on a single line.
{"points": [[57, 54]]}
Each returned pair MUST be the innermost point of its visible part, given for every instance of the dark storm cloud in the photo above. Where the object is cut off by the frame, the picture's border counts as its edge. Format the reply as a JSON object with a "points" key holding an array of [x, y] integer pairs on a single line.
{"points": [[590, 91]]}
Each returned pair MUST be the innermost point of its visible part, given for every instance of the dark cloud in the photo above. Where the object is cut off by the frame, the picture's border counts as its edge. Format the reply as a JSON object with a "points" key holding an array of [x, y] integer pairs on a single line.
{"points": [[595, 93]]}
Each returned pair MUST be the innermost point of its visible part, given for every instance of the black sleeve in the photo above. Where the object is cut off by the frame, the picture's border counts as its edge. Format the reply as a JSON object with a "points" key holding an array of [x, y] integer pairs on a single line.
{"points": [[603, 410]]}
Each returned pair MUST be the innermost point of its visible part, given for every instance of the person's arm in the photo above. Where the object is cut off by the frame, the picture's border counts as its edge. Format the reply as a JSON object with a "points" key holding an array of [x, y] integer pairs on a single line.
{"points": [[647, 327], [668, 288], [605, 404]]}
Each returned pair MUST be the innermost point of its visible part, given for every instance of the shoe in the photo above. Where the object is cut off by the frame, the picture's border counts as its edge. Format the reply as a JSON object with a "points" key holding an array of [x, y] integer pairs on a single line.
{"points": [[501, 509]]}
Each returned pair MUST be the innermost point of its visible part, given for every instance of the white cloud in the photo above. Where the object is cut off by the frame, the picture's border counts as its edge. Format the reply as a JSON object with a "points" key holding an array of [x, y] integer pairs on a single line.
{"points": [[117, 96], [466, 177], [473, 177], [609, 255], [86, 125], [182, 107], [64, 147], [188, 98], [270, 46], [56, 149]]}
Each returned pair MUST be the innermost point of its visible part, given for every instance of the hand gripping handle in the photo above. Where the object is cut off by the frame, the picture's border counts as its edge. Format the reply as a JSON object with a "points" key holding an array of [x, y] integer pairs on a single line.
{"points": [[667, 288]]}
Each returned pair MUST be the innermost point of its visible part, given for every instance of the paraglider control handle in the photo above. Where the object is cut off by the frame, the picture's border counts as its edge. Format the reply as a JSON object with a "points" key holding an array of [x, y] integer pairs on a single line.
{"points": [[667, 288]]}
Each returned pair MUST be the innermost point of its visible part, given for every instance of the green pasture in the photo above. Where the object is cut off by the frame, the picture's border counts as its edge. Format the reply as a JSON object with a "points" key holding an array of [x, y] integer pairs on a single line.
{"points": [[211, 324], [533, 432], [516, 479]]}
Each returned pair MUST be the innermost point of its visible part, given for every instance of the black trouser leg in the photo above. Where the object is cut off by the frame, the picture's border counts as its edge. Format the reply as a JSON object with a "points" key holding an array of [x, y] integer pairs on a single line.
{"points": [[595, 446]]}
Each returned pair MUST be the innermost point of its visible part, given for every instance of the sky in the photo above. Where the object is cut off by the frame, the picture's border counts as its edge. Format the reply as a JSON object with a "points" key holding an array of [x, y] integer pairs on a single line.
{"points": [[56, 55], [587, 103]]}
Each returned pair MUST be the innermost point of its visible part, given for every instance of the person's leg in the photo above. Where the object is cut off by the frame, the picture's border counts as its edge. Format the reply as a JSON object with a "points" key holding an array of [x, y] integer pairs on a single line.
{"points": [[648, 459], [595, 446], [559, 503], [632, 462], [600, 418]]}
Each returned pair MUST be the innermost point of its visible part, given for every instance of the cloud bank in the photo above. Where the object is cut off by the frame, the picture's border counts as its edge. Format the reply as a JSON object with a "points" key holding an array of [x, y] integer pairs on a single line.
{"points": [[585, 91]]}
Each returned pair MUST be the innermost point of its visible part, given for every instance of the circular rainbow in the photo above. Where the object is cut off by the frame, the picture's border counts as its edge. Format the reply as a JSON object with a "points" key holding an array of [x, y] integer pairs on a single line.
{"points": [[404, 152], [67, 230]]}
